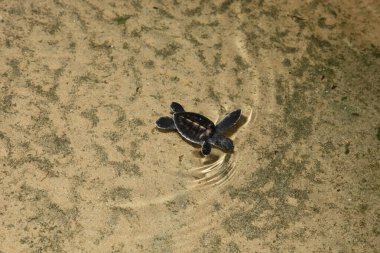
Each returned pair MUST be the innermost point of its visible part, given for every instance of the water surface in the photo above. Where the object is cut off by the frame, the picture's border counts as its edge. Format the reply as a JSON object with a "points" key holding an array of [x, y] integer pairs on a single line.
{"points": [[83, 168]]}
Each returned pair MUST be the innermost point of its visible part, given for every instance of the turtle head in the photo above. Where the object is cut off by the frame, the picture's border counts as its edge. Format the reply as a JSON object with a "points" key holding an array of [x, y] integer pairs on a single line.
{"points": [[222, 142]]}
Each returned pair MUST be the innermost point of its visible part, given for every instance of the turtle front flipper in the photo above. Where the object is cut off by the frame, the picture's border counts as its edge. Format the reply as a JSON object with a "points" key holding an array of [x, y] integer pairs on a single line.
{"points": [[206, 148], [228, 121], [222, 142], [176, 107], [165, 123]]}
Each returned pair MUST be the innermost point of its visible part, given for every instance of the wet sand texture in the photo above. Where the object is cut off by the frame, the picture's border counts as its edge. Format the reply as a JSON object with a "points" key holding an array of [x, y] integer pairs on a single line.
{"points": [[83, 168]]}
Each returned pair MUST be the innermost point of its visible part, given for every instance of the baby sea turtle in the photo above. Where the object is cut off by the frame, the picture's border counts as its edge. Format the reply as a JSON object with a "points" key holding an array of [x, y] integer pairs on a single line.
{"points": [[199, 129]]}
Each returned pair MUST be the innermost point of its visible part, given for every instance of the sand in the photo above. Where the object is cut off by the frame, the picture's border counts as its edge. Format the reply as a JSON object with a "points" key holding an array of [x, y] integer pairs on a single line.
{"points": [[84, 169]]}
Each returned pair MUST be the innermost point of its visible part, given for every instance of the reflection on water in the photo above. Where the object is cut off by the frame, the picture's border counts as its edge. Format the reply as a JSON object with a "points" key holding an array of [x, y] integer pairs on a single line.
{"points": [[219, 169], [216, 170], [213, 174]]}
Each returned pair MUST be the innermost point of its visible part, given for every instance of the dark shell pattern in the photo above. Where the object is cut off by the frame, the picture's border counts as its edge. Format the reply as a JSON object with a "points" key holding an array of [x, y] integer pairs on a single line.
{"points": [[193, 126], [198, 129]]}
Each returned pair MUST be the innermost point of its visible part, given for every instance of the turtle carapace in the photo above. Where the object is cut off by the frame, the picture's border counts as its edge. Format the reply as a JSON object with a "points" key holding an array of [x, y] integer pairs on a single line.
{"points": [[198, 129]]}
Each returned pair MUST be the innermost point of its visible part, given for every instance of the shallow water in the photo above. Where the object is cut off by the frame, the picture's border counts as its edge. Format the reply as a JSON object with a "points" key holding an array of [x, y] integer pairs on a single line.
{"points": [[83, 168]]}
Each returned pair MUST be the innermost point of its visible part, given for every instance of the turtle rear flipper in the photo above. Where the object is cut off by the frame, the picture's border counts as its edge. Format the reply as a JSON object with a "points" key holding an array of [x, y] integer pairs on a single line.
{"points": [[165, 123], [206, 148], [176, 107], [228, 121], [222, 142]]}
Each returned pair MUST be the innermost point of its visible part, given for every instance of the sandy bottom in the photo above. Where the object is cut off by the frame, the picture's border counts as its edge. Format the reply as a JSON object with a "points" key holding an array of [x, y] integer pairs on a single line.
{"points": [[84, 169]]}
